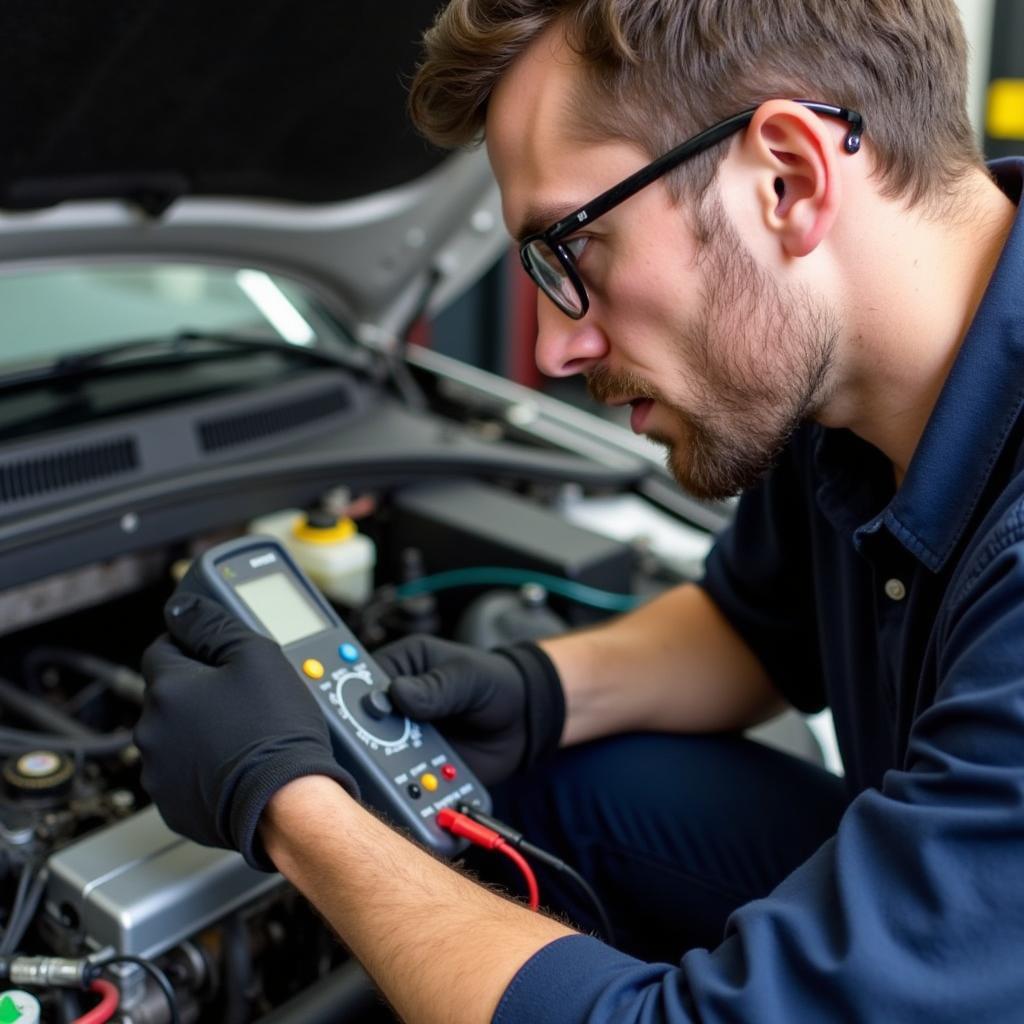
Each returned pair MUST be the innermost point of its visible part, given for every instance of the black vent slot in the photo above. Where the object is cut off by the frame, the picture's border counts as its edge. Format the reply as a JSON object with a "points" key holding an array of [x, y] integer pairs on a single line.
{"points": [[69, 468], [240, 428]]}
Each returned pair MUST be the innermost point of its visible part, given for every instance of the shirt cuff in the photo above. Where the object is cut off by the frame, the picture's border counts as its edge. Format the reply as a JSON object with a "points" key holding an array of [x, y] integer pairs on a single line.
{"points": [[575, 979]]}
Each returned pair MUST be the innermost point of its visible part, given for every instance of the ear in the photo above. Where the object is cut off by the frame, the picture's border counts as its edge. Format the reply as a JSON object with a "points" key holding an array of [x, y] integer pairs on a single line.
{"points": [[795, 154]]}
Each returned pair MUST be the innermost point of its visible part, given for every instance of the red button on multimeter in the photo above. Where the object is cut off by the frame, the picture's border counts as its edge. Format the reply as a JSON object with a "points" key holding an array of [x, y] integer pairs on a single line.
{"points": [[449, 771]]}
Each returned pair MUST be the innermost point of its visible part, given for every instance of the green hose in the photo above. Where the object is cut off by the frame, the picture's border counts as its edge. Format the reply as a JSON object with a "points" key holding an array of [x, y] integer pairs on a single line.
{"points": [[495, 576]]}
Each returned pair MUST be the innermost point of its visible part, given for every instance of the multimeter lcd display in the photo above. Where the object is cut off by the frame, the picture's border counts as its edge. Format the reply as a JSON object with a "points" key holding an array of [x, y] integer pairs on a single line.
{"points": [[280, 606]]}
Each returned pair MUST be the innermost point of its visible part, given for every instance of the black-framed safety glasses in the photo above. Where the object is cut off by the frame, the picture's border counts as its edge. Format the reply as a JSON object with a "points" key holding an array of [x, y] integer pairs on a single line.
{"points": [[550, 262]]}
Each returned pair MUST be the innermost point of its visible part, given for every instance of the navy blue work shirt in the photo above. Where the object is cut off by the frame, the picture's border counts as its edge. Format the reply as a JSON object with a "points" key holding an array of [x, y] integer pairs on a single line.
{"points": [[903, 611]]}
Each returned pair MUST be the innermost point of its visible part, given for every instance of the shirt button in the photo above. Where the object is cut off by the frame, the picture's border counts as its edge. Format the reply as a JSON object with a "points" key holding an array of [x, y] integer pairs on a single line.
{"points": [[895, 590]]}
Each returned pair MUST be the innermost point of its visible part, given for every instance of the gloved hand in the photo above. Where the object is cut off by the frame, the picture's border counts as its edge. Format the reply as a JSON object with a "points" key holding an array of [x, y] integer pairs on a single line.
{"points": [[225, 724], [501, 709]]}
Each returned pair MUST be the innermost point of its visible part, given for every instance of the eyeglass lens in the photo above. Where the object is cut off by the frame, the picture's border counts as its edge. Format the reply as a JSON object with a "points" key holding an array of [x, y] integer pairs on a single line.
{"points": [[547, 270]]}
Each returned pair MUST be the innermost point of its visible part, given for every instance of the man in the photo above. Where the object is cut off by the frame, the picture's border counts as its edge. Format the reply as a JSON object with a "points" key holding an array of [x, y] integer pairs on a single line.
{"points": [[819, 302]]}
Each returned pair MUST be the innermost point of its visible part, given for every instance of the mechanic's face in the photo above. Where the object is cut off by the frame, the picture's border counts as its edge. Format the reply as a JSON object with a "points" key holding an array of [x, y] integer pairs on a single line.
{"points": [[719, 362], [741, 369]]}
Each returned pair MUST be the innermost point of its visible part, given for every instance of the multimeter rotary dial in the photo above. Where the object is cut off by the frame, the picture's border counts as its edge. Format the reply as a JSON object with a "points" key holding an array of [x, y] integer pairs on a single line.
{"points": [[348, 691]]}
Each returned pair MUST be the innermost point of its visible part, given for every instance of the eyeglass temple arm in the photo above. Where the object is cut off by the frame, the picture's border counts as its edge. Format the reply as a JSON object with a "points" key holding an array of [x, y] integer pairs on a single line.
{"points": [[705, 140]]}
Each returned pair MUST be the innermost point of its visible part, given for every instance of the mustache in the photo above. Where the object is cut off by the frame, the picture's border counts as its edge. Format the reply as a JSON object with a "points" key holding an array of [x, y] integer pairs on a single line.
{"points": [[605, 385]]}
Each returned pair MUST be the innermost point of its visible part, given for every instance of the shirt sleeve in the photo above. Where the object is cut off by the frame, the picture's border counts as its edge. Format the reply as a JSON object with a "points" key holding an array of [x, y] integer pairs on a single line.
{"points": [[759, 575], [912, 912]]}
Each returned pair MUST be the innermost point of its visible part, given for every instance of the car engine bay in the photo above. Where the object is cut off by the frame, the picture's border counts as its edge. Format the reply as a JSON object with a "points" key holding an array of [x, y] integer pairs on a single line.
{"points": [[467, 518]]}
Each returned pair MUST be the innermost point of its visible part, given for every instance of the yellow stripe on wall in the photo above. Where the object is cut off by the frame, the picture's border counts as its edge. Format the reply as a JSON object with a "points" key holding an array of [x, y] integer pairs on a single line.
{"points": [[1006, 108]]}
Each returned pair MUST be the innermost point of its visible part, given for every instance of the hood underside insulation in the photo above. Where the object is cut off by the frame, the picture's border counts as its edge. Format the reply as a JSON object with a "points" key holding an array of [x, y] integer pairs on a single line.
{"points": [[157, 99]]}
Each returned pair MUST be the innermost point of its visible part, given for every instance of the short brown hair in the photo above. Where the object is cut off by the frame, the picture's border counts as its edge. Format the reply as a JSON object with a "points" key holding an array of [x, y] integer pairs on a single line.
{"points": [[662, 69]]}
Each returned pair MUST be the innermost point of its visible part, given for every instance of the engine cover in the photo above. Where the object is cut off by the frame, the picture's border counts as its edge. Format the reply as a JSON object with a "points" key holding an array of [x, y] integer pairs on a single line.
{"points": [[141, 889]]}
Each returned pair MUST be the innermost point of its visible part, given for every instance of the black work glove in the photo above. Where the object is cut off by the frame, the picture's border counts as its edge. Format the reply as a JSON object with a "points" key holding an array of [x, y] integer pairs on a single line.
{"points": [[225, 724], [501, 710]]}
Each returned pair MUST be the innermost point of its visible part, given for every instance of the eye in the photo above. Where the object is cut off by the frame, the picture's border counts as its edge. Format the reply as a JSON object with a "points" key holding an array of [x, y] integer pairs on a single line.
{"points": [[576, 246]]}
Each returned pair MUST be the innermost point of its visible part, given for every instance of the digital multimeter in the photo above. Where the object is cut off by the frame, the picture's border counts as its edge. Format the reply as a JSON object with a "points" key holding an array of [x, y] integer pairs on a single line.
{"points": [[404, 769]]}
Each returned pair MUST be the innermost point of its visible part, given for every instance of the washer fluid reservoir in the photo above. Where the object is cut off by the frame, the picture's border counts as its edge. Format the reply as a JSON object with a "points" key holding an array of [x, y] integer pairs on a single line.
{"points": [[338, 558]]}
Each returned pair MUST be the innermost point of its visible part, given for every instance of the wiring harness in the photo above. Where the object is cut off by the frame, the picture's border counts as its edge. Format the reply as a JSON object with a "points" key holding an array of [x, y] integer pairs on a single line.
{"points": [[84, 973]]}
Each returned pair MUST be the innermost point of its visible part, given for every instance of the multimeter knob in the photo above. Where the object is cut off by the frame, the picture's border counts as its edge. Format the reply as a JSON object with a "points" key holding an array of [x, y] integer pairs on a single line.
{"points": [[377, 704]]}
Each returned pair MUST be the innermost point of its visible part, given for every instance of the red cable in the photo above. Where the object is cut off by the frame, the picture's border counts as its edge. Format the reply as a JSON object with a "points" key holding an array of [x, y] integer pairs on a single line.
{"points": [[531, 881], [106, 1007], [461, 825]]}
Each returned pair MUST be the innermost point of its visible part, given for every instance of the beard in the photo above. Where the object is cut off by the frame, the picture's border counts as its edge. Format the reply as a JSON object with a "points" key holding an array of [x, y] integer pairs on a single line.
{"points": [[757, 358]]}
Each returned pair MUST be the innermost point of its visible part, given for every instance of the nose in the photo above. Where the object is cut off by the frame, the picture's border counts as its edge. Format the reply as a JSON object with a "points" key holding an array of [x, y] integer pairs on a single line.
{"points": [[566, 346]]}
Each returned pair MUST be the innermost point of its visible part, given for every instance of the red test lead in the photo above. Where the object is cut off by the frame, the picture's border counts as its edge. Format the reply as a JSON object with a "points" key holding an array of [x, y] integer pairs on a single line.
{"points": [[479, 835]]}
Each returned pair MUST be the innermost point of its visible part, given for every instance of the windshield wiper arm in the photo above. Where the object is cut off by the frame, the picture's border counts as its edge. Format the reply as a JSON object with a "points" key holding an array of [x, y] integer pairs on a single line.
{"points": [[76, 365], [177, 343]]}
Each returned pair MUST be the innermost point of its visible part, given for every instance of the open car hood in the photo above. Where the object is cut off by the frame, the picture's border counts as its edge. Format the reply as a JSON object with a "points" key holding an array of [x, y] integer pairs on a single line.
{"points": [[272, 135]]}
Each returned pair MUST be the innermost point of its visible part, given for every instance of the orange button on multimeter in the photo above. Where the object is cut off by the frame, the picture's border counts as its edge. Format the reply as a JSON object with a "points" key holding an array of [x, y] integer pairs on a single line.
{"points": [[313, 668], [429, 782]]}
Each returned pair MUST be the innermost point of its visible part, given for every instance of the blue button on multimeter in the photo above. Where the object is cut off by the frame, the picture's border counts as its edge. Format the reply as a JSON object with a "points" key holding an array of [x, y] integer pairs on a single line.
{"points": [[256, 579]]}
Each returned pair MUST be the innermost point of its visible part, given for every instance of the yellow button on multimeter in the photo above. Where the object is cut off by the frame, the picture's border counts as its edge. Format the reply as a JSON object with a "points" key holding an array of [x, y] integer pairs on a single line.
{"points": [[313, 668]]}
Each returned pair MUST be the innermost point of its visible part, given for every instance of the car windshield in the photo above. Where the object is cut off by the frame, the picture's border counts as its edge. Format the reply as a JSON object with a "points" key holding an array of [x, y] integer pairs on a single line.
{"points": [[53, 313]]}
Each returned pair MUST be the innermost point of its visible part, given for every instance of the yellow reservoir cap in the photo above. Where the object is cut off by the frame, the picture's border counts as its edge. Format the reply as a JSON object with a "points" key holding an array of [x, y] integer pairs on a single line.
{"points": [[1006, 108], [342, 530]]}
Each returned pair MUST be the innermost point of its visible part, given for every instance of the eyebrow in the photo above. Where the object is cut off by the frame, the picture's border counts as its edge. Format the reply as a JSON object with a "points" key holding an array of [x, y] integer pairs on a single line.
{"points": [[541, 217]]}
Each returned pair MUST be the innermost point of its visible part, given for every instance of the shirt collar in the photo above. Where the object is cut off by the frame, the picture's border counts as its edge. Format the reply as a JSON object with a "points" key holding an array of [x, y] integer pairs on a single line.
{"points": [[979, 403]]}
